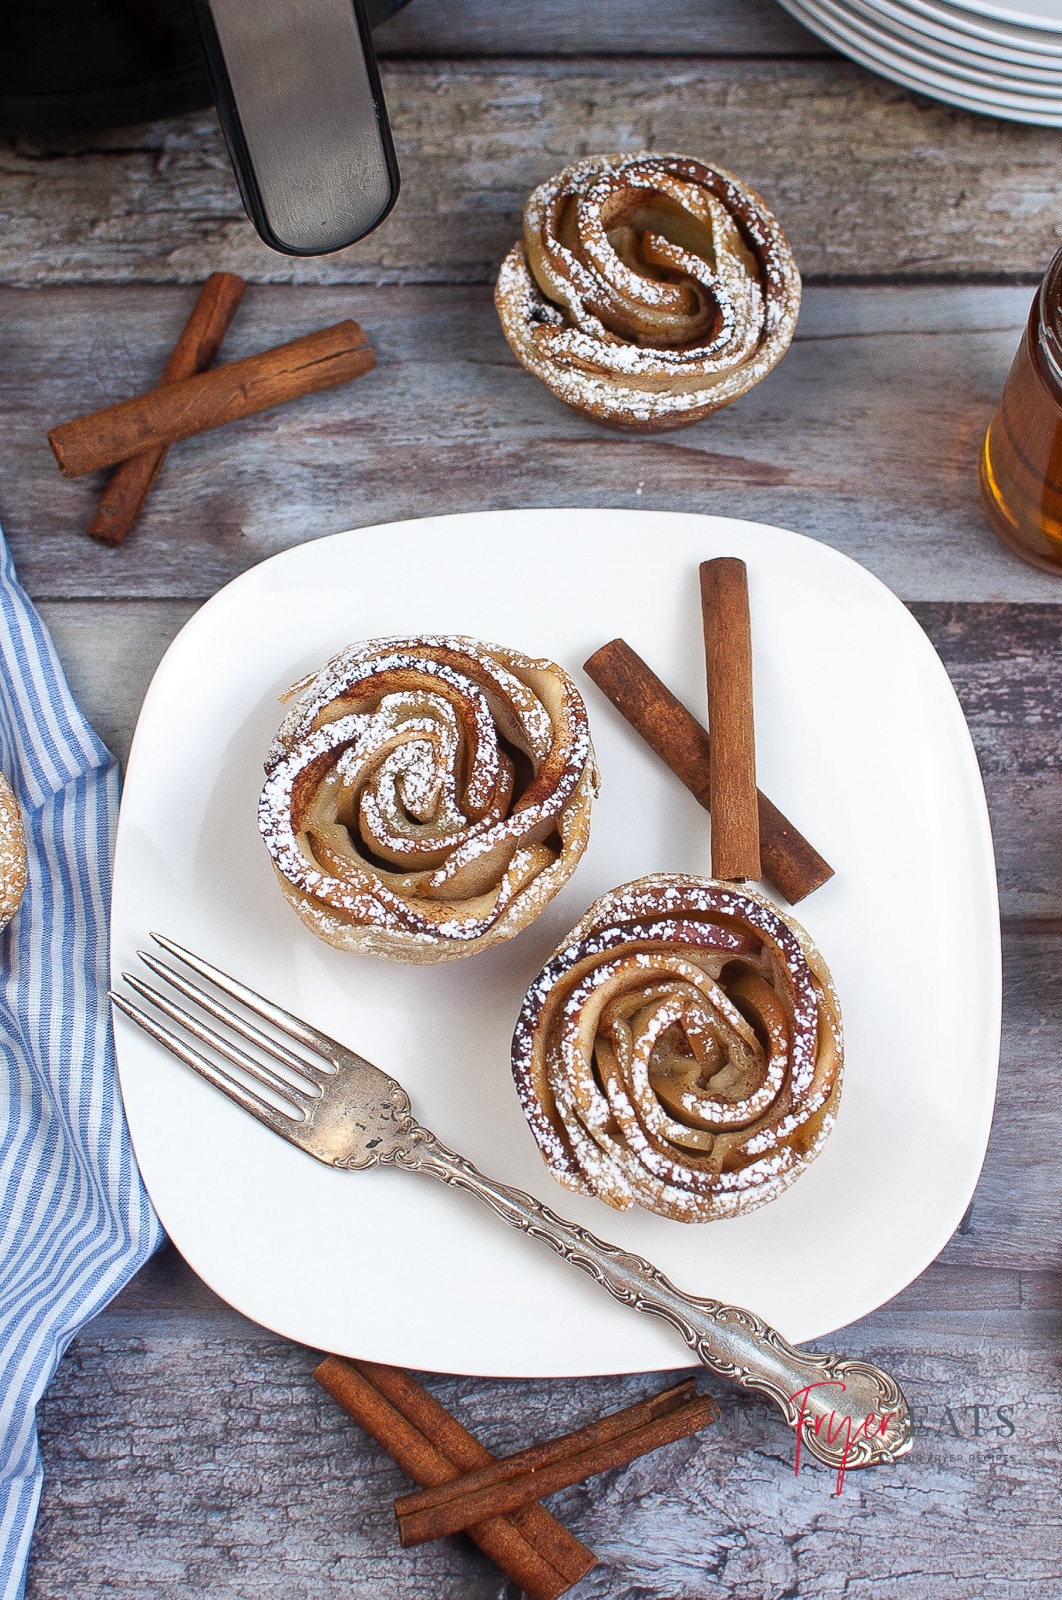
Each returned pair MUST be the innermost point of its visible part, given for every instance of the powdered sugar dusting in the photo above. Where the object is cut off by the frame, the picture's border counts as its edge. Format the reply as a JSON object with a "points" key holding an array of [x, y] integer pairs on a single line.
{"points": [[681, 1050], [12, 853], [609, 303], [393, 808]]}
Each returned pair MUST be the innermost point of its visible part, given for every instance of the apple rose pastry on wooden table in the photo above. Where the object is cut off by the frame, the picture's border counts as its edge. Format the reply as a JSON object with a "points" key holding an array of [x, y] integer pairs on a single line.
{"points": [[648, 290], [426, 797], [12, 853], [681, 1050]]}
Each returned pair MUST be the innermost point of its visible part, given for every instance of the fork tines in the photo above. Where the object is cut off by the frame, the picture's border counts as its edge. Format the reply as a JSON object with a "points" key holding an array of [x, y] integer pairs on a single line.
{"points": [[280, 1098]]}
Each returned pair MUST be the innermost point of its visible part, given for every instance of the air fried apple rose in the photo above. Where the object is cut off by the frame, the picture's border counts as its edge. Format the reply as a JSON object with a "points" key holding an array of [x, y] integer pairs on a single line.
{"points": [[648, 290], [12, 853], [426, 797], [681, 1050]]}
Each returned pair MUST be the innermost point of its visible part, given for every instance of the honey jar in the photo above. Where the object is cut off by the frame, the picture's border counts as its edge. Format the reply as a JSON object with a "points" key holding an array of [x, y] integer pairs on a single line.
{"points": [[1021, 462]]}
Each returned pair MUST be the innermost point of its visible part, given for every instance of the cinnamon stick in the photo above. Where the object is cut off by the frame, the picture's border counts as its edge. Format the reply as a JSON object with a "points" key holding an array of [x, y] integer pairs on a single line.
{"points": [[510, 1482], [530, 1545], [732, 758], [209, 399], [550, 1537], [790, 863], [195, 351]]}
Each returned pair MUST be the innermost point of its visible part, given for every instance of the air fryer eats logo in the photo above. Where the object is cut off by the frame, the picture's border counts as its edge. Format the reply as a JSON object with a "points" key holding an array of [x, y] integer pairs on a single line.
{"points": [[955, 1423], [836, 1431]]}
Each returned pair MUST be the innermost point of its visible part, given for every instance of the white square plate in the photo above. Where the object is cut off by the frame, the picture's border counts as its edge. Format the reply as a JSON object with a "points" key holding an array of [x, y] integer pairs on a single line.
{"points": [[861, 742]]}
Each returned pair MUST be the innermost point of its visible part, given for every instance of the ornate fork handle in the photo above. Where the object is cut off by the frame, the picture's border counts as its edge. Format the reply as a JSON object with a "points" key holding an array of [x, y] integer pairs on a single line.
{"points": [[847, 1413]]}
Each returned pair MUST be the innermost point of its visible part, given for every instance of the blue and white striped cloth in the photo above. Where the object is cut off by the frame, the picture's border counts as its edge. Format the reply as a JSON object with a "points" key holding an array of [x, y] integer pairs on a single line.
{"points": [[75, 1221]]}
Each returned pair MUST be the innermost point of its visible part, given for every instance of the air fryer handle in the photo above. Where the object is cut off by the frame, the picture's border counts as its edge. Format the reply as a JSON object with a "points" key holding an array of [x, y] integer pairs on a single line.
{"points": [[299, 99]]}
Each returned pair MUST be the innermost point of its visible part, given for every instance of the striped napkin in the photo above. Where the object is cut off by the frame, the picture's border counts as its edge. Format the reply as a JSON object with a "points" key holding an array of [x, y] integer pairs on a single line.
{"points": [[75, 1221]]}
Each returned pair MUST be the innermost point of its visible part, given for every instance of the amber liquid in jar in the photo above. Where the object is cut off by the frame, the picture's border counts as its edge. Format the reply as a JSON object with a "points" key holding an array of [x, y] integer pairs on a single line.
{"points": [[1021, 462]]}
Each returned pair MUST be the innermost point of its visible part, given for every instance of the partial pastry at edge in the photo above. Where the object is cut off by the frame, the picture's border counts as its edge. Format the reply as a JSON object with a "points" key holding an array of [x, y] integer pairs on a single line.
{"points": [[12, 853], [681, 1050], [648, 290], [427, 797]]}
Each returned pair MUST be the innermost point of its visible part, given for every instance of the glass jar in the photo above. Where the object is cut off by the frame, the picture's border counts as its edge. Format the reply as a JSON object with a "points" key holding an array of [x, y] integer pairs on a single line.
{"points": [[1021, 462]]}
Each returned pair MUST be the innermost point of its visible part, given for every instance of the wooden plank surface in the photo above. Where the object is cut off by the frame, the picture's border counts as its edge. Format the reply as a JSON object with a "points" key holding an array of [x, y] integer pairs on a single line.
{"points": [[1006, 664], [187, 1451], [867, 178], [1005, 661], [110, 650], [455, 28], [1005, 1254], [1016, 1220], [214, 1466], [866, 436], [223, 1473]]}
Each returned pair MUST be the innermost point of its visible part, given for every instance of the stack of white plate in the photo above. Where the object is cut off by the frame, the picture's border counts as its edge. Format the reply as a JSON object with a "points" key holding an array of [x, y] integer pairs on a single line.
{"points": [[1002, 57]]}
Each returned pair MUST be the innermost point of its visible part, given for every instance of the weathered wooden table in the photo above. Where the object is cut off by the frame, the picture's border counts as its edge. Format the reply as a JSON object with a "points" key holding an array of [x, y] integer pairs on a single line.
{"points": [[187, 1451]]}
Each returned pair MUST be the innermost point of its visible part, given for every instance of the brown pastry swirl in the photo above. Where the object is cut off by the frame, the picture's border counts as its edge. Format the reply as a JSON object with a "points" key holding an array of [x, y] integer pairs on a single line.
{"points": [[12, 853], [681, 1050], [649, 290], [426, 797]]}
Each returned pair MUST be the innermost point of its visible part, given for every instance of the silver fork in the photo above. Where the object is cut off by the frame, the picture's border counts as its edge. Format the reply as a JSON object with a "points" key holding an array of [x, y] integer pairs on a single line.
{"points": [[339, 1108]]}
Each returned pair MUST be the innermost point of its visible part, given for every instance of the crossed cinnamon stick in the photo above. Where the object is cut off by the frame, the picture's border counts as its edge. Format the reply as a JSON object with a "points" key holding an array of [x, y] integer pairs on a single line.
{"points": [[464, 1488], [792, 864], [196, 350], [193, 396]]}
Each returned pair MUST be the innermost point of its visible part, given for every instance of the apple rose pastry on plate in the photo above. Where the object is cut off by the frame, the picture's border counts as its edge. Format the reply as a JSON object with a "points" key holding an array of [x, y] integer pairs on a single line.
{"points": [[681, 1050], [648, 290], [426, 797]]}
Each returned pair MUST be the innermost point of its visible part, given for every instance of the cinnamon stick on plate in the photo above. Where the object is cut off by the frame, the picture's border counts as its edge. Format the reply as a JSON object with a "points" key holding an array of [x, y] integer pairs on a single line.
{"points": [[732, 753], [196, 349], [790, 863], [505, 1484], [224, 394], [538, 1553]]}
